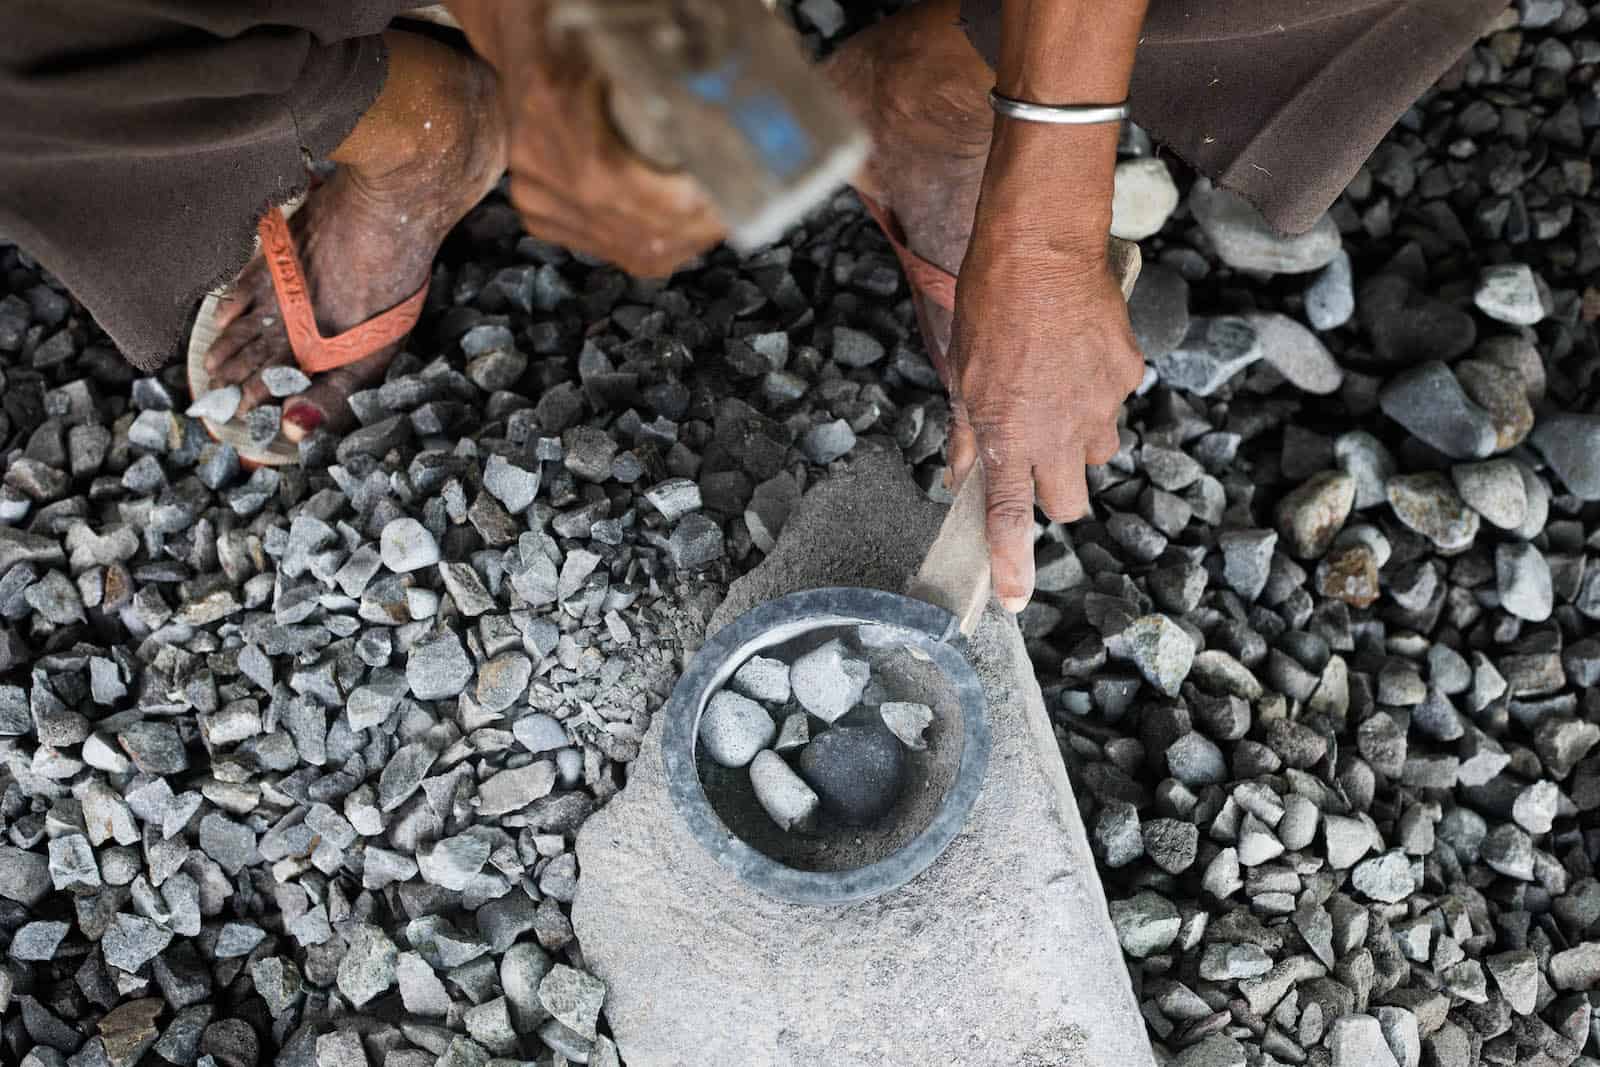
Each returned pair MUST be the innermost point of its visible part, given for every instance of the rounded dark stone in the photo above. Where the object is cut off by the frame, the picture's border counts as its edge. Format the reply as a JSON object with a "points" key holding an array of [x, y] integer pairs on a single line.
{"points": [[856, 772]]}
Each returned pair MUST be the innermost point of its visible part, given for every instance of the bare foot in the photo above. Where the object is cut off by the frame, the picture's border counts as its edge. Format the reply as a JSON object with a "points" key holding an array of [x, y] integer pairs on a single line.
{"points": [[367, 237], [921, 89]]}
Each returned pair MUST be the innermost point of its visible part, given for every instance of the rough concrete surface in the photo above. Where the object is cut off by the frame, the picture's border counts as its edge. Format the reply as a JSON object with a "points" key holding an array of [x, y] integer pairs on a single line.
{"points": [[1002, 952]]}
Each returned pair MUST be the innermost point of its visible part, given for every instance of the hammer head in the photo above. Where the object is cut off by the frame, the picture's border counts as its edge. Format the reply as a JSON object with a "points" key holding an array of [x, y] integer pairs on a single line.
{"points": [[720, 90]]}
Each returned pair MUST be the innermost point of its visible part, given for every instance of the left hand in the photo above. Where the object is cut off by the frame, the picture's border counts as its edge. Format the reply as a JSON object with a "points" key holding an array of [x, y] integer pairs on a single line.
{"points": [[1043, 358]]}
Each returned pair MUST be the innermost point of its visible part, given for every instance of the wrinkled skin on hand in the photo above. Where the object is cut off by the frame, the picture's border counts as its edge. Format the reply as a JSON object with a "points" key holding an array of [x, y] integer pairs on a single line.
{"points": [[573, 179], [1043, 357]]}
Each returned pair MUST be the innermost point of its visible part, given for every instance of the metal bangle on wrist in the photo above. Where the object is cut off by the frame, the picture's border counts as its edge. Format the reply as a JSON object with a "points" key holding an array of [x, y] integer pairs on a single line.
{"points": [[1056, 114]]}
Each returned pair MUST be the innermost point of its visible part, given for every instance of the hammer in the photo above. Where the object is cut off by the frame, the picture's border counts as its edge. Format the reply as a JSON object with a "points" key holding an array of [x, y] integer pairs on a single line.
{"points": [[719, 90]]}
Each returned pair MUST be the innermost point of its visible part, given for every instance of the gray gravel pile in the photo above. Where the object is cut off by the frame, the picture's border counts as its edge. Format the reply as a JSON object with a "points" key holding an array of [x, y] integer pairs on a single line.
{"points": [[293, 759], [1324, 659]]}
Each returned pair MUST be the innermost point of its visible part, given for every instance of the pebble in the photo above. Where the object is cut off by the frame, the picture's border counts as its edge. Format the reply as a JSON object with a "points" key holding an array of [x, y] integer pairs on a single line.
{"points": [[827, 682], [1369, 462], [856, 771], [1144, 197], [829, 441], [1358, 1041], [907, 721], [1570, 443], [1195, 760], [1247, 560], [1146, 924], [503, 681], [367, 967], [573, 998], [1429, 504], [284, 381], [37, 941], [1516, 974], [1522, 578], [1210, 354], [696, 542], [1296, 353], [674, 498], [764, 679], [852, 348], [1429, 402], [406, 546], [218, 405], [1503, 394], [1513, 294], [1246, 241], [1536, 807], [1313, 514], [782, 793], [1494, 489], [734, 728], [1576, 968], [1217, 1050], [1161, 649], [511, 484], [539, 733], [1330, 299], [1387, 878], [438, 668]]}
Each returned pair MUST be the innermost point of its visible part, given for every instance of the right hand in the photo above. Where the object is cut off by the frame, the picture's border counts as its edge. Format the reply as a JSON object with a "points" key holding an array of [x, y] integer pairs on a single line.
{"points": [[573, 179]]}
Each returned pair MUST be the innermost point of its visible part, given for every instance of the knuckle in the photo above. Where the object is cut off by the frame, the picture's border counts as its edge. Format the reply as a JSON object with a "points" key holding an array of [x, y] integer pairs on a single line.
{"points": [[1008, 511]]}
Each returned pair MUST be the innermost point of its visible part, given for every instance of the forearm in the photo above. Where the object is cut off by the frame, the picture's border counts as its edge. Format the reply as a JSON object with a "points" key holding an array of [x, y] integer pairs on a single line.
{"points": [[1055, 182]]}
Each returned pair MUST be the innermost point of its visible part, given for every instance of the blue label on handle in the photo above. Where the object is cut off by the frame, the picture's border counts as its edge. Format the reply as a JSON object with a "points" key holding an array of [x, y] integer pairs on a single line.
{"points": [[763, 117]]}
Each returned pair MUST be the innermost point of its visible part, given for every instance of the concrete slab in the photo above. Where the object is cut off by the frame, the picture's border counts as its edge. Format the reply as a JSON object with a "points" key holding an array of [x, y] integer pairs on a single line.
{"points": [[1002, 952]]}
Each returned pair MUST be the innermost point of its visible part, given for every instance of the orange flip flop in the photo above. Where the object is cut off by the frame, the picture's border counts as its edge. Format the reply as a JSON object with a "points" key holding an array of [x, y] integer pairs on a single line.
{"points": [[313, 352], [931, 282]]}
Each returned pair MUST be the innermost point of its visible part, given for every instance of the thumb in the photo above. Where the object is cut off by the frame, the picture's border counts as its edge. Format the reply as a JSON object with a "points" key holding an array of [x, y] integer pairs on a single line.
{"points": [[1009, 526]]}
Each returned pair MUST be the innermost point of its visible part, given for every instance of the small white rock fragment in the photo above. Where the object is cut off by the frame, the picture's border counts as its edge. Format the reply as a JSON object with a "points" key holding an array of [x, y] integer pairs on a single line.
{"points": [[406, 545], [826, 682], [763, 679], [783, 794], [907, 721], [734, 728], [218, 405]]}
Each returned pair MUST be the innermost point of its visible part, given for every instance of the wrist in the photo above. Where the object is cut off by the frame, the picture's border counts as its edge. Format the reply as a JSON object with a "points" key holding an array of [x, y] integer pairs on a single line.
{"points": [[1049, 186]]}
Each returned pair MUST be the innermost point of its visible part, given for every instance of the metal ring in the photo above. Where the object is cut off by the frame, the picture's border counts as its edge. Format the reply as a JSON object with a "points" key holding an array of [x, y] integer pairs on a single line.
{"points": [[926, 627], [1057, 114]]}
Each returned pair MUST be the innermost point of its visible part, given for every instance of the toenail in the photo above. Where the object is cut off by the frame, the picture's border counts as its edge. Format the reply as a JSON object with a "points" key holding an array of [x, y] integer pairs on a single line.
{"points": [[305, 416]]}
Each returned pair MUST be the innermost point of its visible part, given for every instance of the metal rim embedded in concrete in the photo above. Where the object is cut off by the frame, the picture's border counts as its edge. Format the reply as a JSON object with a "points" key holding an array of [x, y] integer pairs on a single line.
{"points": [[927, 628]]}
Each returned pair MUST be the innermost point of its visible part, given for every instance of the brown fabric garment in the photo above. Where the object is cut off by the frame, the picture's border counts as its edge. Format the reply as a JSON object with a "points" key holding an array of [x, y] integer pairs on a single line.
{"points": [[142, 139], [1281, 100]]}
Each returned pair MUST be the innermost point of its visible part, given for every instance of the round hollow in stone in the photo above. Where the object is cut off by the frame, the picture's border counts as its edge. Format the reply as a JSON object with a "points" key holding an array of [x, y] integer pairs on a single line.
{"points": [[900, 673]]}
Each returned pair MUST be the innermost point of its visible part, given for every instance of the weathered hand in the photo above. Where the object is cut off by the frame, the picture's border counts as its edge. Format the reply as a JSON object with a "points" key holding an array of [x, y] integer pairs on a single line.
{"points": [[573, 179], [1043, 358]]}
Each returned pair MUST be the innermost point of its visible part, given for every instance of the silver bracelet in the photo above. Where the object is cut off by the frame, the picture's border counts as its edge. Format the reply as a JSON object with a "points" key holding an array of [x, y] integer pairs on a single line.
{"points": [[1056, 114]]}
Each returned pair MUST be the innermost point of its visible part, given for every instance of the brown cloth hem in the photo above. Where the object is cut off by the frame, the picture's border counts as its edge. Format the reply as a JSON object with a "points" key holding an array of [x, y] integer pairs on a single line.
{"points": [[143, 140], [1281, 101]]}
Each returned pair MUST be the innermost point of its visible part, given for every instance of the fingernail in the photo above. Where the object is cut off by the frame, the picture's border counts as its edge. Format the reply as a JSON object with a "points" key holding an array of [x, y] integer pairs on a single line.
{"points": [[303, 417], [1014, 604]]}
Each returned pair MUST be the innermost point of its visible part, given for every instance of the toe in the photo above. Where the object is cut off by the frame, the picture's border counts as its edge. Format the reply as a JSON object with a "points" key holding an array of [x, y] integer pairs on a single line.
{"points": [[229, 346], [327, 402]]}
